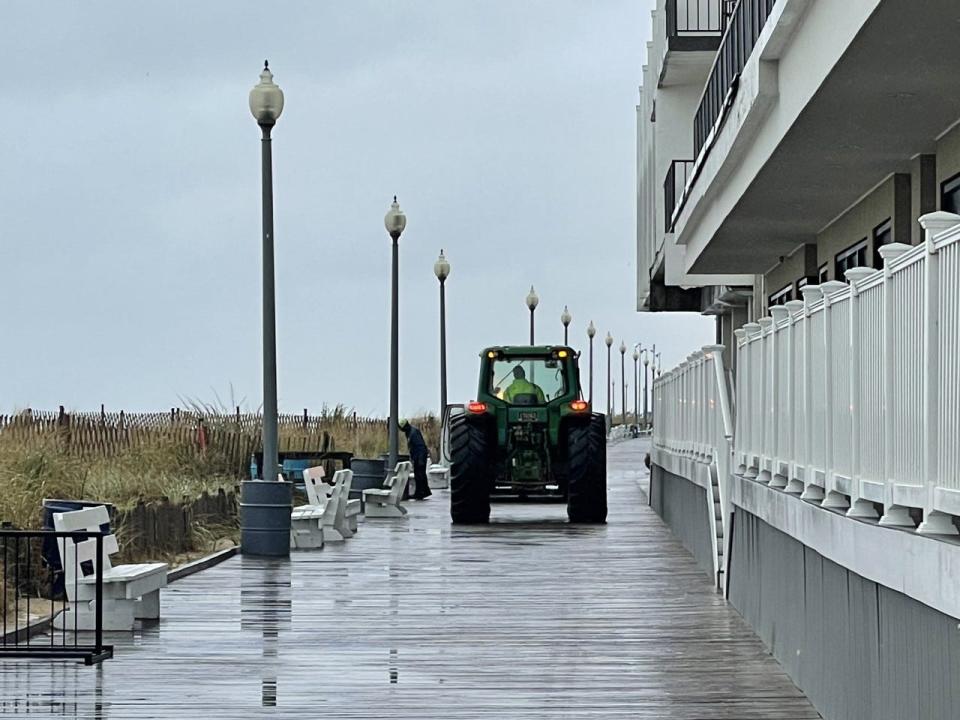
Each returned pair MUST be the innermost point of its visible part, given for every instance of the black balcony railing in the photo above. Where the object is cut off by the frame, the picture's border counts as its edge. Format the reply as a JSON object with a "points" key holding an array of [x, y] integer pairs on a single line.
{"points": [[743, 27], [31, 597], [673, 189], [695, 18]]}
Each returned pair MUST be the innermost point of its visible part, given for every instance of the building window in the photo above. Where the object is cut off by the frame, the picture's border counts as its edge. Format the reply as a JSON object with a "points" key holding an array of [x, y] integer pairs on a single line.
{"points": [[882, 235], [853, 256], [804, 281], [950, 195], [822, 274], [781, 296]]}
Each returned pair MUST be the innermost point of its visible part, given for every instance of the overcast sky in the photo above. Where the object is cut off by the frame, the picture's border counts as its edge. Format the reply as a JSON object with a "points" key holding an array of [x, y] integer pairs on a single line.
{"points": [[130, 194]]}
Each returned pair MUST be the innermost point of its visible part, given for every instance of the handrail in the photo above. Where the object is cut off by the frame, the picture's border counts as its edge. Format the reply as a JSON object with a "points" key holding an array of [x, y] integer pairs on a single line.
{"points": [[724, 400], [29, 578]]}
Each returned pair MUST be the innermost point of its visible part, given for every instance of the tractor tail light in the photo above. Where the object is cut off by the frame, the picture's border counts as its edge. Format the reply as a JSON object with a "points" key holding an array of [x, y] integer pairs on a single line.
{"points": [[477, 407], [579, 405]]}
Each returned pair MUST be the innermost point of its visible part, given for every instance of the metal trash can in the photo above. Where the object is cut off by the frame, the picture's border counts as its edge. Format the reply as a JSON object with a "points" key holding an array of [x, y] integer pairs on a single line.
{"points": [[51, 556], [265, 507], [367, 474]]}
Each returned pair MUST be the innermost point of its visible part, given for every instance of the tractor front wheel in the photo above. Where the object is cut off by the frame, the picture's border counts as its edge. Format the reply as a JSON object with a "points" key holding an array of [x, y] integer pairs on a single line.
{"points": [[587, 472], [470, 472]]}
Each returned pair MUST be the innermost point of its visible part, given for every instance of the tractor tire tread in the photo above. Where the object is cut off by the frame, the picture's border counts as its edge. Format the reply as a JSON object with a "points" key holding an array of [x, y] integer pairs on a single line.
{"points": [[587, 472], [470, 472]]}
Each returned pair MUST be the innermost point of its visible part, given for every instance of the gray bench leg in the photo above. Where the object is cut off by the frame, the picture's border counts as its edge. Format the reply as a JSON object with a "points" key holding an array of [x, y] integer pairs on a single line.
{"points": [[385, 511], [117, 615], [148, 607]]}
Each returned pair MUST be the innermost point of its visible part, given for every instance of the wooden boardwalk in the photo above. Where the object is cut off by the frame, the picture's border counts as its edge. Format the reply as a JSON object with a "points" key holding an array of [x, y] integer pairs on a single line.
{"points": [[526, 618]]}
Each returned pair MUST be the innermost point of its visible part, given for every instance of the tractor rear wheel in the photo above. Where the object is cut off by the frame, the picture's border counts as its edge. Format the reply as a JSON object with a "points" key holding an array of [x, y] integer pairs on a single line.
{"points": [[587, 472], [470, 472]]}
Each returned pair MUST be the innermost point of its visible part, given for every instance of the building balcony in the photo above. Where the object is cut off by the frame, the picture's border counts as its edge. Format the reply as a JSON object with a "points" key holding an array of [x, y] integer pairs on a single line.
{"points": [[687, 34], [696, 25], [745, 24], [809, 107], [674, 186]]}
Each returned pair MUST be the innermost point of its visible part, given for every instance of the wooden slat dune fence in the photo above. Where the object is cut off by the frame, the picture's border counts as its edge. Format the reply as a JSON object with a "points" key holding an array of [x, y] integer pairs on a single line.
{"points": [[234, 436]]}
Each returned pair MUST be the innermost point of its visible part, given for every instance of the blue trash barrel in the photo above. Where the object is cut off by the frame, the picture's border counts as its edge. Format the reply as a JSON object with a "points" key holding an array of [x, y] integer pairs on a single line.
{"points": [[51, 556]]}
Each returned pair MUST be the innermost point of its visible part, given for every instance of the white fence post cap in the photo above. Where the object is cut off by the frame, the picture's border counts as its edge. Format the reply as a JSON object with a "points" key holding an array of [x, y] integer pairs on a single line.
{"points": [[794, 306], [855, 275], [811, 293], [937, 222], [779, 313]]}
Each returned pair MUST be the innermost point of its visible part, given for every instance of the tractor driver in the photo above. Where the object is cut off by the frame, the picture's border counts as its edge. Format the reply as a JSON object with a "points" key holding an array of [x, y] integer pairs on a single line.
{"points": [[522, 386]]}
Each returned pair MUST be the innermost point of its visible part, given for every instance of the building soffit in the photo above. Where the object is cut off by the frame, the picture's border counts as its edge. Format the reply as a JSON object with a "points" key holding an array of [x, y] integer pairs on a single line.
{"points": [[876, 109]]}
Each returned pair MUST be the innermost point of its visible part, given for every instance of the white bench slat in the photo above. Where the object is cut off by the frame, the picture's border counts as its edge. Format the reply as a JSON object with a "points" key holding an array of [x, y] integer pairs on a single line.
{"points": [[386, 501]]}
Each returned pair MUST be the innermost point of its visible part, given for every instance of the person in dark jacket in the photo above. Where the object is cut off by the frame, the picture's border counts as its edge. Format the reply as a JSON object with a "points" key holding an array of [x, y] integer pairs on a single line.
{"points": [[417, 449]]}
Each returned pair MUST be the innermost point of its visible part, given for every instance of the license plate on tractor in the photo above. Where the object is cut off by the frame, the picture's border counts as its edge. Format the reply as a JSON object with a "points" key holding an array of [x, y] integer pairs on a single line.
{"points": [[528, 416]]}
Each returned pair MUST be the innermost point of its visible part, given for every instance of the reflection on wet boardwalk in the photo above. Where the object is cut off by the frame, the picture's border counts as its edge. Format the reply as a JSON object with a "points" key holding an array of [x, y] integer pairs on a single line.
{"points": [[526, 618]]}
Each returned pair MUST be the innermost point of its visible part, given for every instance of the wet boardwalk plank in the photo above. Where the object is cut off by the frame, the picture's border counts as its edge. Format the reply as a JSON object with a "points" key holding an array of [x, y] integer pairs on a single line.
{"points": [[527, 618]]}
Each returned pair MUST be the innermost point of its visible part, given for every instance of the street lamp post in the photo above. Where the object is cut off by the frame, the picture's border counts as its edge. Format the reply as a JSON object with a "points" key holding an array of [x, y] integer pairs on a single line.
{"points": [[532, 301], [395, 222], [608, 340], [565, 318], [656, 365], [265, 503], [623, 381], [591, 331], [441, 268], [636, 387], [646, 364]]}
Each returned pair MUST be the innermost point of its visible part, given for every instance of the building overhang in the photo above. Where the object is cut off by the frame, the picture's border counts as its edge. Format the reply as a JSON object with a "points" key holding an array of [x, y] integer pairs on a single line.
{"points": [[808, 134]]}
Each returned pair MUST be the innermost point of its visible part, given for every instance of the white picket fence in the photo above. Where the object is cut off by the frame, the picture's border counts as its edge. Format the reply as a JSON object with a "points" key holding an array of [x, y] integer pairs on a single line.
{"points": [[852, 396], [693, 434]]}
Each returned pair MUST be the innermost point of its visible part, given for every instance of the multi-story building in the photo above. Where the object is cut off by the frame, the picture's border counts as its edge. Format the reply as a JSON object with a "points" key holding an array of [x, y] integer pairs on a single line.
{"points": [[799, 177]]}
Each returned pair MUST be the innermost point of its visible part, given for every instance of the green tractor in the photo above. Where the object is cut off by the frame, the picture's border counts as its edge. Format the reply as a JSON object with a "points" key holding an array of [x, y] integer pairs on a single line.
{"points": [[529, 433]]}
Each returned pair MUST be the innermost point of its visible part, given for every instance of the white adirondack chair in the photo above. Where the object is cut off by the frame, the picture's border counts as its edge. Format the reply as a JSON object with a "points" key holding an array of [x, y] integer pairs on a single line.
{"points": [[336, 525], [129, 591], [306, 521], [385, 501]]}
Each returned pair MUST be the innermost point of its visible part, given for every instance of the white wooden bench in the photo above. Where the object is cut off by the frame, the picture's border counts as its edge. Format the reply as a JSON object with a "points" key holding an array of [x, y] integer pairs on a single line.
{"points": [[129, 591], [438, 476], [385, 501], [353, 510], [338, 526], [306, 521]]}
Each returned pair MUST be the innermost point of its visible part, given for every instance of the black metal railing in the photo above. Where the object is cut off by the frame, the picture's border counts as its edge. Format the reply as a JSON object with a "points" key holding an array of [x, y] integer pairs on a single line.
{"points": [[742, 30], [696, 18], [673, 188], [31, 598]]}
